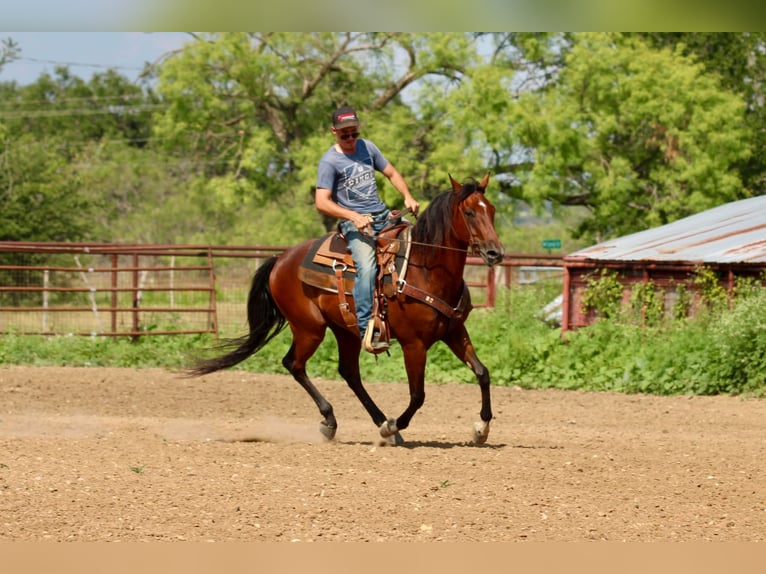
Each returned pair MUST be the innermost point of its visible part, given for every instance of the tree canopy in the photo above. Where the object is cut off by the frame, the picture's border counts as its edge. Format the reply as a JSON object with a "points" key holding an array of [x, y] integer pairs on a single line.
{"points": [[219, 141]]}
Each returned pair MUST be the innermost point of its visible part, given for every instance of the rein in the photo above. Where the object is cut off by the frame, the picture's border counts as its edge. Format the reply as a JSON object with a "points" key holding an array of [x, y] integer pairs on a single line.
{"points": [[433, 245], [397, 214], [458, 312]]}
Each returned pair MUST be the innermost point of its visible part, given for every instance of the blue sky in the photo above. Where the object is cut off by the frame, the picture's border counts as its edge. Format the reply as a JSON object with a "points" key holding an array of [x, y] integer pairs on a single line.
{"points": [[87, 52]]}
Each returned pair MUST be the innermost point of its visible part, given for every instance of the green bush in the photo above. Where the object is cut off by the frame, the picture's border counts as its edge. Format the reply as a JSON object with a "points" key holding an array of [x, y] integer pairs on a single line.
{"points": [[720, 350]]}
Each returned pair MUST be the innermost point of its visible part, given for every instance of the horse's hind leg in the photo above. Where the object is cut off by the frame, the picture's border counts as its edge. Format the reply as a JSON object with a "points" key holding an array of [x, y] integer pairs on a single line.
{"points": [[297, 368], [460, 344], [349, 347]]}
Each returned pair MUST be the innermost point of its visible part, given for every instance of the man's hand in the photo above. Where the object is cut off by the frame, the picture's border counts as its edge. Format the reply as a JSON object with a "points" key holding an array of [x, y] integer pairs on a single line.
{"points": [[362, 223], [412, 204]]}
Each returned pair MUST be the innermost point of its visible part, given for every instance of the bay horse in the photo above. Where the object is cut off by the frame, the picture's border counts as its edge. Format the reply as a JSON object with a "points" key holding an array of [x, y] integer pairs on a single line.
{"points": [[431, 305]]}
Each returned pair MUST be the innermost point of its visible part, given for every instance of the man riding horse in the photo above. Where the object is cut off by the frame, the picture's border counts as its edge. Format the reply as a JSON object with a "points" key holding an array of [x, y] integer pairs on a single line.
{"points": [[346, 189]]}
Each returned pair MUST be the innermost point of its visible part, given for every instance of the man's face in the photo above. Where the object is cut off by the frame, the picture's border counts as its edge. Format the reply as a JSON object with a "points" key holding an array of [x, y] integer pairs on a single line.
{"points": [[346, 138]]}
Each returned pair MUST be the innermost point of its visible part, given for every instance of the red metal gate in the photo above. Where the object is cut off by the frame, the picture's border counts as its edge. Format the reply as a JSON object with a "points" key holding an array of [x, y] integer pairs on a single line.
{"points": [[134, 289]]}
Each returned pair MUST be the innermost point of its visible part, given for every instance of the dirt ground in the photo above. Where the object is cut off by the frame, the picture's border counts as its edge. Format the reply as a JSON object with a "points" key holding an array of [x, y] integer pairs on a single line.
{"points": [[145, 455]]}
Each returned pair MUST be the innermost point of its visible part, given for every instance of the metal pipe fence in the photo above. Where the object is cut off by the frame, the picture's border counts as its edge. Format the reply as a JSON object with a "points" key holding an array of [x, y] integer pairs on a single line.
{"points": [[97, 289]]}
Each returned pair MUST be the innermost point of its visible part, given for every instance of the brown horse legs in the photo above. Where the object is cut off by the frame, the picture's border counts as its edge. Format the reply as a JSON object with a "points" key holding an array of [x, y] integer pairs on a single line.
{"points": [[348, 367], [460, 344], [415, 364], [348, 347], [329, 425], [415, 361]]}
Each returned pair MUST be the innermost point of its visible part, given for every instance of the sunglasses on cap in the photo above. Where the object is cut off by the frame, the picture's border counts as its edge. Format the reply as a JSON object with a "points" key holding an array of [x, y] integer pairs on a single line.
{"points": [[351, 135]]}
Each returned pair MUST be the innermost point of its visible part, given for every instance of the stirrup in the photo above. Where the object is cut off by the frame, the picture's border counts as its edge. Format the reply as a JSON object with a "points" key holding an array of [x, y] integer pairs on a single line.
{"points": [[372, 342]]}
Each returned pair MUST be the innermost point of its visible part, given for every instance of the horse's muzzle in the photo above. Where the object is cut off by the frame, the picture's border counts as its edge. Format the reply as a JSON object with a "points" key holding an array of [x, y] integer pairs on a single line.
{"points": [[491, 254]]}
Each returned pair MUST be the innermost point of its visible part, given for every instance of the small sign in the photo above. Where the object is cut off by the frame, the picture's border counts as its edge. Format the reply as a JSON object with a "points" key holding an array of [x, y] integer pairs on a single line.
{"points": [[551, 244]]}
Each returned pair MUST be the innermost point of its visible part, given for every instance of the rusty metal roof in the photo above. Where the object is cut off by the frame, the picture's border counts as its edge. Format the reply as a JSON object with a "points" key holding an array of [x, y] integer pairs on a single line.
{"points": [[731, 233]]}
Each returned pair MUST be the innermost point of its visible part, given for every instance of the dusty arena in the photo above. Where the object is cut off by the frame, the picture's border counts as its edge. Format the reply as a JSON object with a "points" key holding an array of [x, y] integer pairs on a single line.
{"points": [[145, 455]]}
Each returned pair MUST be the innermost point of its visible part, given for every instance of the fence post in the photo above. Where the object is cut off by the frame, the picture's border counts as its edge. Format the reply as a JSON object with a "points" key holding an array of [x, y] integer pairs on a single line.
{"points": [[46, 282], [565, 302], [491, 288], [213, 315], [115, 298], [136, 298]]}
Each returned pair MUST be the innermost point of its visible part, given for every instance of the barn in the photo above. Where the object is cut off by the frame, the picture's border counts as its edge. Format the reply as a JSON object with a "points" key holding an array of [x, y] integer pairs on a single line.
{"points": [[727, 242]]}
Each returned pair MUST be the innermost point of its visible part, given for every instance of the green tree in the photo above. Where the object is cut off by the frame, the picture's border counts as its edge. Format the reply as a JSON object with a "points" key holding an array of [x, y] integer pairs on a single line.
{"points": [[52, 132], [738, 59], [609, 133], [39, 199], [252, 110], [9, 51], [639, 136]]}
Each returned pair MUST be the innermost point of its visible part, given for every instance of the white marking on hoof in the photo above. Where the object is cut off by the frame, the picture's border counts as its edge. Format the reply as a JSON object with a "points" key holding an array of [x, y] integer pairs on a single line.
{"points": [[480, 432], [388, 428]]}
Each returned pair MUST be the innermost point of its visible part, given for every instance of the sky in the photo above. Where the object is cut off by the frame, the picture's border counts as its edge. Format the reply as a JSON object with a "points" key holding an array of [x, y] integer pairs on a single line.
{"points": [[87, 52]]}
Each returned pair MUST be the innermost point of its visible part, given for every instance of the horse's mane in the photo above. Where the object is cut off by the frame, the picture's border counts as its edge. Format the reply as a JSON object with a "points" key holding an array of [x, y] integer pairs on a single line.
{"points": [[435, 223]]}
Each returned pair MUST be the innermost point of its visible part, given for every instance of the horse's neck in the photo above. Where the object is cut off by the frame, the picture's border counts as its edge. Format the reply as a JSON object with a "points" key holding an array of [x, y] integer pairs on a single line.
{"points": [[438, 271]]}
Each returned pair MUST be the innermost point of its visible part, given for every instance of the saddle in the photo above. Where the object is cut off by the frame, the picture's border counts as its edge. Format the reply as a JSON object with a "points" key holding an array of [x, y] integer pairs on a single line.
{"points": [[328, 265]]}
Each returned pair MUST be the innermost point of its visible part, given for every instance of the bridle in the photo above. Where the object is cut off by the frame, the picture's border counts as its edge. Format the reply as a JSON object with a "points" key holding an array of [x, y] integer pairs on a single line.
{"points": [[473, 243]]}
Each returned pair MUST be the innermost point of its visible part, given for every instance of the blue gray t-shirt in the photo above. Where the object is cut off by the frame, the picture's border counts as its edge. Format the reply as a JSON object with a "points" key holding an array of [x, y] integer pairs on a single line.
{"points": [[351, 178]]}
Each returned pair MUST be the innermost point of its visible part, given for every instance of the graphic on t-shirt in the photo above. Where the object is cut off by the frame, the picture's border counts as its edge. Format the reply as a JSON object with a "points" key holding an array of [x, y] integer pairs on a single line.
{"points": [[357, 181]]}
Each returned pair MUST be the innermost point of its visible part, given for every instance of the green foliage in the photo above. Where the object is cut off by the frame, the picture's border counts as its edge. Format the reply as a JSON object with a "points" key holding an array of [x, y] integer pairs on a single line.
{"points": [[712, 293], [683, 302], [50, 133], [9, 51], [745, 287], [739, 60], [603, 294], [717, 351], [633, 130], [151, 351], [641, 136], [647, 304]]}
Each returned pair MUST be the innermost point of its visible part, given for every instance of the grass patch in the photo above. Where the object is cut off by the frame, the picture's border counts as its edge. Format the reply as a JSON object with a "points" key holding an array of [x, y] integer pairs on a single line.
{"points": [[719, 351]]}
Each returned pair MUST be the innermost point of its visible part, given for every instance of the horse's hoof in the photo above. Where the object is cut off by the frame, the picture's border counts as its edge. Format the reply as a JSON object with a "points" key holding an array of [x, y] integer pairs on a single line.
{"points": [[480, 432], [391, 440], [327, 431], [388, 428]]}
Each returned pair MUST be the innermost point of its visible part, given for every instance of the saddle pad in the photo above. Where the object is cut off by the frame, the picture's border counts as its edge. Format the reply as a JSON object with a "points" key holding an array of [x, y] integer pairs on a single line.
{"points": [[316, 268]]}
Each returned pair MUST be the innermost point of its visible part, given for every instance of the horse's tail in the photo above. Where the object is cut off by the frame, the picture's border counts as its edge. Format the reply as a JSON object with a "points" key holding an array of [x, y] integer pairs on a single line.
{"points": [[264, 318]]}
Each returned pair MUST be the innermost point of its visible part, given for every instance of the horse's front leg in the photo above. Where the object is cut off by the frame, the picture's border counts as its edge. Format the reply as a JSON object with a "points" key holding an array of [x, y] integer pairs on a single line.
{"points": [[415, 364], [460, 343]]}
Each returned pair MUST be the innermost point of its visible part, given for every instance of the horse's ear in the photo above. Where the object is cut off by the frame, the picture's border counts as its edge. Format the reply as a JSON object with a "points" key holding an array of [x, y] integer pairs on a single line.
{"points": [[484, 183], [456, 186]]}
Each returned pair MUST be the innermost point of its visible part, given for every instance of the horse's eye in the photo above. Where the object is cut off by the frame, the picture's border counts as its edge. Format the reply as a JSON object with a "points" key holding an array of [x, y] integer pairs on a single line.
{"points": [[470, 213]]}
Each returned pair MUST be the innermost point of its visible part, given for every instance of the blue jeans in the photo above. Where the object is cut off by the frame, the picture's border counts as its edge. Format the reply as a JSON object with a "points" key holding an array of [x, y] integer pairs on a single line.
{"points": [[362, 248]]}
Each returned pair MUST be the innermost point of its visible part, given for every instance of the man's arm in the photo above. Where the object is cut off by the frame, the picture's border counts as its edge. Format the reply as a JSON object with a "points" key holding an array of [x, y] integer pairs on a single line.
{"points": [[324, 204], [400, 185]]}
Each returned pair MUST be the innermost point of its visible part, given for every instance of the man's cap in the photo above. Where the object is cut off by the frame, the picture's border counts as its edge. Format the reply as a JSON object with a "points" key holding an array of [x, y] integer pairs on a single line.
{"points": [[344, 117]]}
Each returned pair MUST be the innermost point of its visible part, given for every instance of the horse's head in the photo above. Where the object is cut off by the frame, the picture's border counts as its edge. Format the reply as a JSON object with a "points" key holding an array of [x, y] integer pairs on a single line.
{"points": [[476, 225]]}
